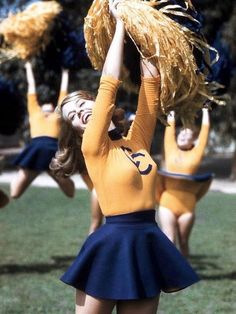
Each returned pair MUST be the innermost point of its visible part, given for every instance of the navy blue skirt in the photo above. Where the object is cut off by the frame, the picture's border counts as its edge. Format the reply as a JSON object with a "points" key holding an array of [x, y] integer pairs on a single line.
{"points": [[194, 177], [129, 258], [38, 154]]}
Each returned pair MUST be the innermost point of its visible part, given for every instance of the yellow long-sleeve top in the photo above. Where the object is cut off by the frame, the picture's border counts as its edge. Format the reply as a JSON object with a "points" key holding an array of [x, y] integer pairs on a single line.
{"points": [[184, 161], [40, 125], [122, 170], [180, 195]]}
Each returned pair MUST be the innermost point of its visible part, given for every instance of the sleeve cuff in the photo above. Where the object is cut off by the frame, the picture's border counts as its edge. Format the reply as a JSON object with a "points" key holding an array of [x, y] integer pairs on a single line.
{"points": [[110, 80], [155, 79]]}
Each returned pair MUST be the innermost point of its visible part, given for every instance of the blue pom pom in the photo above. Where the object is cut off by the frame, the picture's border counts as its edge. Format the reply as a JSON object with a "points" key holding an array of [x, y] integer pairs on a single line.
{"points": [[74, 55], [67, 46], [222, 70], [194, 26], [13, 6], [12, 108]]}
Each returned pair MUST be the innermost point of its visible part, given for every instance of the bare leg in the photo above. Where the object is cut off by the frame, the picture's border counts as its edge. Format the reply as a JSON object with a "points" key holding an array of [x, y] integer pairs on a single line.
{"points": [[147, 306], [66, 184], [23, 180], [85, 304], [4, 199], [96, 214], [185, 225], [168, 223]]}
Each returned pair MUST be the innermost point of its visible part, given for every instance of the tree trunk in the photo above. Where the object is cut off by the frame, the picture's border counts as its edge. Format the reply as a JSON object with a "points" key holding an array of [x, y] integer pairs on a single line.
{"points": [[233, 169]]}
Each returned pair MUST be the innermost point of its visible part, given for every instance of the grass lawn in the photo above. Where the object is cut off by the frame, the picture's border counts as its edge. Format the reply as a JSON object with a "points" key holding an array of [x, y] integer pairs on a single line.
{"points": [[42, 232]]}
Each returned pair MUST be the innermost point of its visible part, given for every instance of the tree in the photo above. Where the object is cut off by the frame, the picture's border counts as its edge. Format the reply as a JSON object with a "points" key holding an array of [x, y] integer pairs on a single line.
{"points": [[219, 21]]}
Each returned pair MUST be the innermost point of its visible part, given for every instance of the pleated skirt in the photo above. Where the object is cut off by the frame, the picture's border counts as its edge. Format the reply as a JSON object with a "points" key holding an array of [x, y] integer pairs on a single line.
{"points": [[129, 258], [38, 154]]}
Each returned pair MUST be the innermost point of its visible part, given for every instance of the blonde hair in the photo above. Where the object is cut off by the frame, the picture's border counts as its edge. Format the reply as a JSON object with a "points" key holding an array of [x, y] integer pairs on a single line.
{"points": [[69, 158], [27, 31], [156, 36], [74, 96]]}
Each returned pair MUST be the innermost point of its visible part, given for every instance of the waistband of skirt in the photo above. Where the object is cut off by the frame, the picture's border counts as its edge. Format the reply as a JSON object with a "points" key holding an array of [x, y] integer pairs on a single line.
{"points": [[135, 217], [44, 139]]}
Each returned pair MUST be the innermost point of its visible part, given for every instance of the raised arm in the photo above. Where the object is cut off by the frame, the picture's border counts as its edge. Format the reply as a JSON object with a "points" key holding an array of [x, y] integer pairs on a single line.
{"points": [[30, 78], [64, 85], [114, 58], [204, 133], [97, 129], [169, 137], [32, 102], [143, 127]]}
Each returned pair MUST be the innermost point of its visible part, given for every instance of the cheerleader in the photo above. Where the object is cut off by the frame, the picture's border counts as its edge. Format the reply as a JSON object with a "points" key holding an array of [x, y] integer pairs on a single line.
{"points": [[44, 130], [128, 261], [178, 189]]}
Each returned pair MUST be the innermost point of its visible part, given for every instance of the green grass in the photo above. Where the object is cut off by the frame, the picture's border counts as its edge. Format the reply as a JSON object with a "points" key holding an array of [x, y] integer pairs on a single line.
{"points": [[213, 245], [42, 232]]}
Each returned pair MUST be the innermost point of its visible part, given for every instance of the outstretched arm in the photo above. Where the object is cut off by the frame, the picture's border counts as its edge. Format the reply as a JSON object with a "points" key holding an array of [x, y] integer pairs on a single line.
{"points": [[64, 85], [97, 129], [143, 127], [32, 102], [204, 132], [169, 137], [64, 80], [114, 58], [30, 78]]}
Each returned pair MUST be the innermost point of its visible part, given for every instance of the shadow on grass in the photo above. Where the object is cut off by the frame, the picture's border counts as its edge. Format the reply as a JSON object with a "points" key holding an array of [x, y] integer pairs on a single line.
{"points": [[204, 262], [58, 262], [208, 263], [229, 276], [199, 263]]}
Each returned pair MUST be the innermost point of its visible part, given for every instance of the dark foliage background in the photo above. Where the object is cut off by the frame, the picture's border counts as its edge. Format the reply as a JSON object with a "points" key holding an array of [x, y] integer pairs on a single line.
{"points": [[67, 49]]}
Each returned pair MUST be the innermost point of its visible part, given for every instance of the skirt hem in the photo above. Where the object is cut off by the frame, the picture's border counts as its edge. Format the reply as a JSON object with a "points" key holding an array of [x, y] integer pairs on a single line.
{"points": [[129, 258], [153, 295]]}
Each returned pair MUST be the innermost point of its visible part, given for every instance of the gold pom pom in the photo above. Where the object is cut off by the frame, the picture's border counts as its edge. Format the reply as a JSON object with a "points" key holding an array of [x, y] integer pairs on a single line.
{"points": [[28, 31], [156, 36]]}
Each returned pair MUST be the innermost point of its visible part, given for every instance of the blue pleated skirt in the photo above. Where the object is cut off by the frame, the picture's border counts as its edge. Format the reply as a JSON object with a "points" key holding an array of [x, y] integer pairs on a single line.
{"points": [[129, 258], [38, 154], [195, 177]]}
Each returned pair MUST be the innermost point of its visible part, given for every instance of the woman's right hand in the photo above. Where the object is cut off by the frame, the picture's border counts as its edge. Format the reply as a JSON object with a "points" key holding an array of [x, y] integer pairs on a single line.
{"points": [[205, 116], [113, 4], [171, 116], [28, 65]]}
